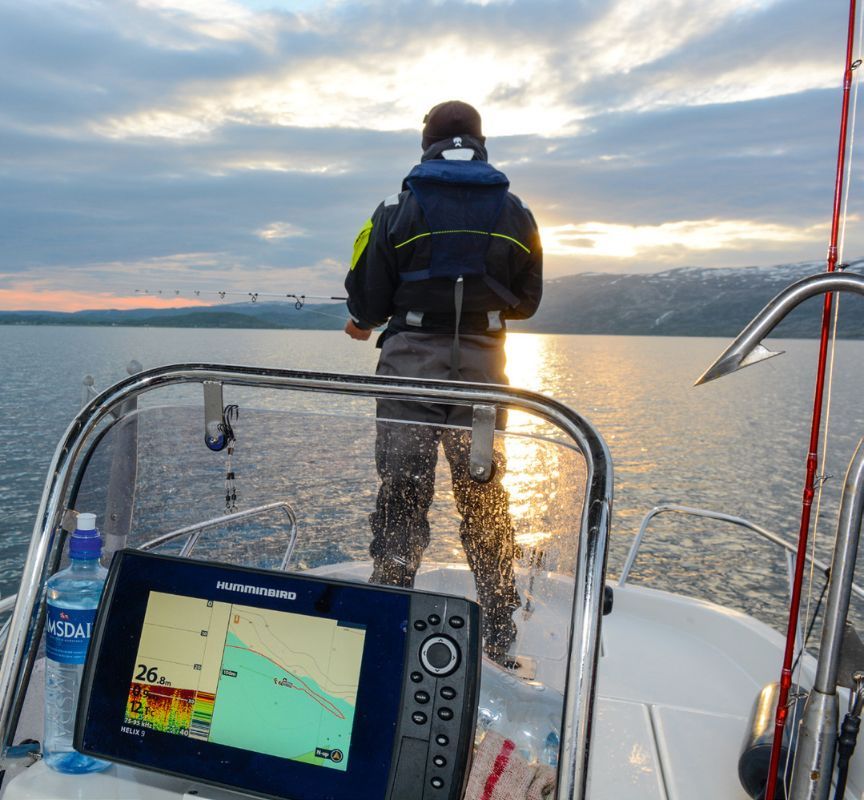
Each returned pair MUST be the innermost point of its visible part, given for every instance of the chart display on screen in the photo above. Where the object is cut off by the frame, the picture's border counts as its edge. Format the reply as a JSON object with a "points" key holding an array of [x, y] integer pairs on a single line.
{"points": [[274, 682]]}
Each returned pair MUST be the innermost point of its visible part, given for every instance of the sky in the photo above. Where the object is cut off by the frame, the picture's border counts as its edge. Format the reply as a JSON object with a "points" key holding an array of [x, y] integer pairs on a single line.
{"points": [[182, 146]]}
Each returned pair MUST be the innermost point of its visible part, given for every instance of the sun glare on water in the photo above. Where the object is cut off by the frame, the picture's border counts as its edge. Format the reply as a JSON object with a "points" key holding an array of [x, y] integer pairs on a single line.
{"points": [[543, 478]]}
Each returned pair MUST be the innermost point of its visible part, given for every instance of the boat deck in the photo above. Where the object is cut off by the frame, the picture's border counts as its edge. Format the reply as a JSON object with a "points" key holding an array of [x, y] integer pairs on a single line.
{"points": [[676, 685], [677, 681]]}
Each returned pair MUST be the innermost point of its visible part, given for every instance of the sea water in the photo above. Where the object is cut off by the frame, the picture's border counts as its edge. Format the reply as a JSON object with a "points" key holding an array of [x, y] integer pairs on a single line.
{"points": [[736, 445]]}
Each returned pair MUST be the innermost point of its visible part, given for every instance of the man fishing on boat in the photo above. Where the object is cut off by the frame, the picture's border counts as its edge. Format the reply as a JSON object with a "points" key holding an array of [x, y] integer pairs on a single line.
{"points": [[444, 263]]}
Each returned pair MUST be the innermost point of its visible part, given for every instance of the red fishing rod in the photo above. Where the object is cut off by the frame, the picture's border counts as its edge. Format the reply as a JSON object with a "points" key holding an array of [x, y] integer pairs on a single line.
{"points": [[815, 428]]}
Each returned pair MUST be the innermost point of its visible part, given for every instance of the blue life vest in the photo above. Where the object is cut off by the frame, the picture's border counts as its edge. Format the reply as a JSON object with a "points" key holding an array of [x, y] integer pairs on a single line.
{"points": [[461, 202]]}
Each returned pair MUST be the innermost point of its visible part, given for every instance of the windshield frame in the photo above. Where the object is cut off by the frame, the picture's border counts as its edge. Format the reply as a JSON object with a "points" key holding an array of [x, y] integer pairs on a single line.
{"points": [[591, 549]]}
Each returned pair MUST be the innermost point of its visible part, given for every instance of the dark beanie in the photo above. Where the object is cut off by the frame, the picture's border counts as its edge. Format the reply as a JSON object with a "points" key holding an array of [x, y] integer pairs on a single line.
{"points": [[452, 118]]}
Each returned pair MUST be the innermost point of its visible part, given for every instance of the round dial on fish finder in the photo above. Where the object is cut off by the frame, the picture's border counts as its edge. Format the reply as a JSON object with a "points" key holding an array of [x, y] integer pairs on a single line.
{"points": [[439, 655]]}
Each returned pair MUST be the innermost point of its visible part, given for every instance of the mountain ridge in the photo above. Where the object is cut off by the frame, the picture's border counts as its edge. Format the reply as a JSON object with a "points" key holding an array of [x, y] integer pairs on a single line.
{"points": [[685, 301]]}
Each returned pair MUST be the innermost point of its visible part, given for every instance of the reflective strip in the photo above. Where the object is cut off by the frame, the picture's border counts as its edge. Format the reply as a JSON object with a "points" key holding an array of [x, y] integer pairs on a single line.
{"points": [[493, 323], [412, 239], [393, 200], [465, 154], [478, 233], [511, 239], [360, 242]]}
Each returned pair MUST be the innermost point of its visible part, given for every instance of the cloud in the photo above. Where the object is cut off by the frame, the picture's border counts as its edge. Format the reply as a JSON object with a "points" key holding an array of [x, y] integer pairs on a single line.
{"points": [[170, 281], [327, 91], [24, 300], [280, 230], [539, 87], [669, 239], [239, 144]]}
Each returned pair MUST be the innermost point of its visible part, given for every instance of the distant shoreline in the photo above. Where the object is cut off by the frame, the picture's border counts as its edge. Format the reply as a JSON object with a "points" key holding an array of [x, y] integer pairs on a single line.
{"points": [[689, 301], [513, 327]]}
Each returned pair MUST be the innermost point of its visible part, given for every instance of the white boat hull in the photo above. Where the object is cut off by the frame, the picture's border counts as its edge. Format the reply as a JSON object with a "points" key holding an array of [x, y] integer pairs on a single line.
{"points": [[677, 680]]}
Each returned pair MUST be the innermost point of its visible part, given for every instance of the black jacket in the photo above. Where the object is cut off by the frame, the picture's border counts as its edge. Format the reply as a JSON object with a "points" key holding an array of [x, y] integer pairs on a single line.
{"points": [[395, 241]]}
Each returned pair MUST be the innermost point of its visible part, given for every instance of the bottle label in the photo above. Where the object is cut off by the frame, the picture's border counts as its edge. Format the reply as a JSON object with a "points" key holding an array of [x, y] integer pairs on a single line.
{"points": [[68, 633]]}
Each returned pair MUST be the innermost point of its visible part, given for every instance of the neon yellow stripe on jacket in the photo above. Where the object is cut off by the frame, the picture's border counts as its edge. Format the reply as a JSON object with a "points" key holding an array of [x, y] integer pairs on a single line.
{"points": [[361, 241], [479, 233]]}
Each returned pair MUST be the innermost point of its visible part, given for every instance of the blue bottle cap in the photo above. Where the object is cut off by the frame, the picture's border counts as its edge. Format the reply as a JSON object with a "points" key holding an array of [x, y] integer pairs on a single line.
{"points": [[85, 541]]}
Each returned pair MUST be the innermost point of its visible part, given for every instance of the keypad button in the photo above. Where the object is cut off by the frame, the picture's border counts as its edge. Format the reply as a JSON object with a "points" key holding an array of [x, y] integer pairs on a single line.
{"points": [[457, 622], [439, 761], [416, 677], [442, 740], [419, 625], [437, 783], [421, 697], [439, 655], [445, 713], [448, 692], [419, 717], [434, 619]]}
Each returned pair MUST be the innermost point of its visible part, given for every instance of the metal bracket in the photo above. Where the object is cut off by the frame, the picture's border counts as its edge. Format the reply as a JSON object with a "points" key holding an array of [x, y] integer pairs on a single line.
{"points": [[214, 436], [482, 440]]}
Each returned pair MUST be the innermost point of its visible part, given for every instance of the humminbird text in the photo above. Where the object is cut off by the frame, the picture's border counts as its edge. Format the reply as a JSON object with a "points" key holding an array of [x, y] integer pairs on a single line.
{"points": [[259, 590]]}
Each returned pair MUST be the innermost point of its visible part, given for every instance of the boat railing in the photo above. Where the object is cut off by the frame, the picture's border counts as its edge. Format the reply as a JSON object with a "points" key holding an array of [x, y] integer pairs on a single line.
{"points": [[813, 764], [590, 540], [6, 606], [773, 538], [193, 532]]}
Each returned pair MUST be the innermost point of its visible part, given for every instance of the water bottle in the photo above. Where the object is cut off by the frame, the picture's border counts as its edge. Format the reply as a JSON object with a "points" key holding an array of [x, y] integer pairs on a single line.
{"points": [[526, 712], [72, 596]]}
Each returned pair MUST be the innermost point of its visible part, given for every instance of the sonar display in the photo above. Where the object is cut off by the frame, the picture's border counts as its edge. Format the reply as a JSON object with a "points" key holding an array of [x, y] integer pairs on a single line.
{"points": [[273, 682]]}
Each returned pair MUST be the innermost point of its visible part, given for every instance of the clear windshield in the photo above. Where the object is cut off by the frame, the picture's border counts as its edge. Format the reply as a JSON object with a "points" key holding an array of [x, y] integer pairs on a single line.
{"points": [[356, 490], [324, 466]]}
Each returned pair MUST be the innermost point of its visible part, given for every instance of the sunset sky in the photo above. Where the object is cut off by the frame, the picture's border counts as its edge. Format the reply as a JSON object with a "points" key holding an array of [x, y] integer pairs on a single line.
{"points": [[228, 145]]}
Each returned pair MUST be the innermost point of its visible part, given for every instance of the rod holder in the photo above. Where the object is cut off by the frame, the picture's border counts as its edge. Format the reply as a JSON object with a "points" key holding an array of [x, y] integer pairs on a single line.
{"points": [[747, 348], [214, 416], [480, 463]]}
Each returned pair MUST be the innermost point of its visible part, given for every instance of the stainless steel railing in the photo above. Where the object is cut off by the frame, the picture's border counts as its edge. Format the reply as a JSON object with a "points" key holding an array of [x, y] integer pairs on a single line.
{"points": [[591, 547], [773, 538], [193, 532]]}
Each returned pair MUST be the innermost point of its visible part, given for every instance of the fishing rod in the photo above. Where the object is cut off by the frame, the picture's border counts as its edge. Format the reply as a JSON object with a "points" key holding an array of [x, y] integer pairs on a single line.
{"points": [[815, 426], [299, 299]]}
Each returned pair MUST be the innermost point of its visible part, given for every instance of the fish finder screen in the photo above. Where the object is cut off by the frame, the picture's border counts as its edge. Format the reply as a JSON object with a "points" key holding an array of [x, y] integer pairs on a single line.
{"points": [[269, 681]]}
